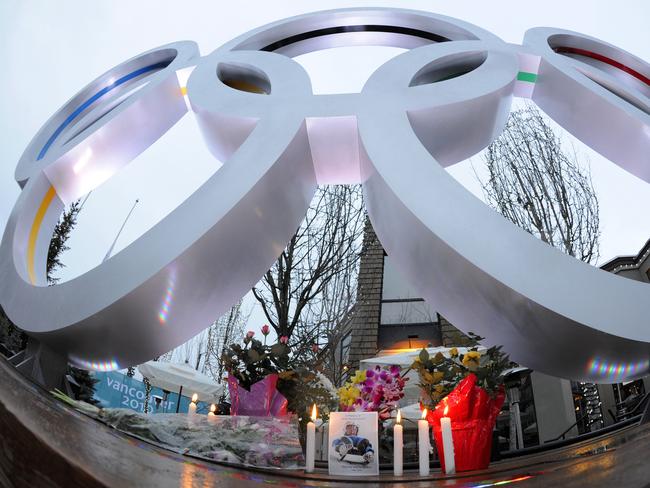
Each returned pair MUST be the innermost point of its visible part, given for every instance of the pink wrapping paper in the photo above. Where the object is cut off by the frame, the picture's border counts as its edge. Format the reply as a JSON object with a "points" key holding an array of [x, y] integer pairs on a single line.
{"points": [[263, 400]]}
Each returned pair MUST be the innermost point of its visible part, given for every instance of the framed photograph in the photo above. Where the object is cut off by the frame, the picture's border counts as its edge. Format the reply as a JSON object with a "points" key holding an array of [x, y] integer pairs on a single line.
{"points": [[353, 444]]}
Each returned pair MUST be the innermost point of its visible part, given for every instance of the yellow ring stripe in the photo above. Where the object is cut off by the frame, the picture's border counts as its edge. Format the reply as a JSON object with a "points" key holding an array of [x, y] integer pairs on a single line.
{"points": [[33, 233], [246, 86]]}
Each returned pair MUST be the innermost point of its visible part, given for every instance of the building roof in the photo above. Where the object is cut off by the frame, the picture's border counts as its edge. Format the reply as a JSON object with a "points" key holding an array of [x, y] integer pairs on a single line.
{"points": [[627, 262]]}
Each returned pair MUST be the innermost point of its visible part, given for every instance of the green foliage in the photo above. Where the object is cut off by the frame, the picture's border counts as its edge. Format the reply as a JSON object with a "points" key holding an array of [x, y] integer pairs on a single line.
{"points": [[279, 349], [303, 387], [86, 385], [11, 336], [254, 361], [147, 394], [301, 384], [60, 236], [439, 375]]}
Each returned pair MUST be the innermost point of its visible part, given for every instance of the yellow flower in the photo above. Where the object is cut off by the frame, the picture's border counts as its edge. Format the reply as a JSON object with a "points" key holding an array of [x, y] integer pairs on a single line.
{"points": [[348, 394], [471, 360], [431, 378], [427, 377], [359, 377], [453, 352]]}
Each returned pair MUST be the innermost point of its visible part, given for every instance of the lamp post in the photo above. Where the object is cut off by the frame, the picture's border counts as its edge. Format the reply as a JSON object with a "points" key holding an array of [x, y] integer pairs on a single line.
{"points": [[110, 249]]}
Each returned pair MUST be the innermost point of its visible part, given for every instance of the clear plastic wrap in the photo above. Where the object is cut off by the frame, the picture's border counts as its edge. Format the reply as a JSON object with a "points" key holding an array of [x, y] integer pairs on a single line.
{"points": [[265, 442]]}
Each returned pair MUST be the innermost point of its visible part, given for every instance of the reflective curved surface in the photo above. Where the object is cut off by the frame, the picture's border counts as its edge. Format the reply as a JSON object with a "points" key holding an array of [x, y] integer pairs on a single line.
{"points": [[430, 107]]}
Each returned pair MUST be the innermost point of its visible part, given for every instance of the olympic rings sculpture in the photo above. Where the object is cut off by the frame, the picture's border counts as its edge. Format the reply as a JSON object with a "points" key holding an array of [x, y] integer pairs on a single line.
{"points": [[440, 102]]}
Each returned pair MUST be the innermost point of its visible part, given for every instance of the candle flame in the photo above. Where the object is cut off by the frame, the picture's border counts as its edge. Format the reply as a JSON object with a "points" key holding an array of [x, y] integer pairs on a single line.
{"points": [[424, 414], [213, 408], [446, 409], [314, 413], [195, 398], [399, 417]]}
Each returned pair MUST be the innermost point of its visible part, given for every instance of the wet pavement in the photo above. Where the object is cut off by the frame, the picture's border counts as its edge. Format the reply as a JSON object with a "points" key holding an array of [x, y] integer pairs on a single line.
{"points": [[44, 443]]}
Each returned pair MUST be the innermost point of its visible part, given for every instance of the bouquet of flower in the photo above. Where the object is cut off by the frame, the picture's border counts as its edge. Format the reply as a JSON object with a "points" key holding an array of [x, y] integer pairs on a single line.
{"points": [[305, 386], [266, 442], [373, 390], [473, 413], [254, 361], [468, 388], [250, 441], [440, 374], [269, 373]]}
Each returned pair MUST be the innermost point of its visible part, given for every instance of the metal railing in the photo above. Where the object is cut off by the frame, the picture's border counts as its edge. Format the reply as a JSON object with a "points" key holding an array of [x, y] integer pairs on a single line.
{"points": [[628, 415]]}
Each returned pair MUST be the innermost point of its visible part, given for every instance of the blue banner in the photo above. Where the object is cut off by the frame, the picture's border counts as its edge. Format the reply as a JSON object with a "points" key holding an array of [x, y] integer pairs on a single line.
{"points": [[116, 390]]}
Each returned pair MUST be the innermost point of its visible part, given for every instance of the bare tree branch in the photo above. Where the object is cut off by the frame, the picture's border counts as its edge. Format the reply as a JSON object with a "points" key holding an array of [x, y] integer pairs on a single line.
{"points": [[540, 188], [311, 287], [204, 350]]}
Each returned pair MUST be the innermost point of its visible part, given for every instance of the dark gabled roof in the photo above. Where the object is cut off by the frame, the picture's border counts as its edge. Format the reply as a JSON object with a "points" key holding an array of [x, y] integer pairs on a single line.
{"points": [[619, 261]]}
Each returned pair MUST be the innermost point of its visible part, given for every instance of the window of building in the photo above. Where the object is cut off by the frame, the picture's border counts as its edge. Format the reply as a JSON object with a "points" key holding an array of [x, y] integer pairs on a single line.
{"points": [[344, 348]]}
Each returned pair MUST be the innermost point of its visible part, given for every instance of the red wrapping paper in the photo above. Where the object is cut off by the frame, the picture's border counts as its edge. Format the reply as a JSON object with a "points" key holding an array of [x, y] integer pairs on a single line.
{"points": [[473, 414]]}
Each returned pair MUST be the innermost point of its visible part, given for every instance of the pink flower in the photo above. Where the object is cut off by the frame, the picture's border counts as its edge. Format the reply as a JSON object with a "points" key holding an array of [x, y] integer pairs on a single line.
{"points": [[284, 339], [266, 329], [250, 334], [380, 391], [314, 348]]}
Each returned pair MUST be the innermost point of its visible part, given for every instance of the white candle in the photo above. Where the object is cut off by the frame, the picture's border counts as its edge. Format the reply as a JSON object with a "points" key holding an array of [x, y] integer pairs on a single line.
{"points": [[423, 442], [310, 451], [212, 417], [192, 409], [398, 446], [447, 443]]}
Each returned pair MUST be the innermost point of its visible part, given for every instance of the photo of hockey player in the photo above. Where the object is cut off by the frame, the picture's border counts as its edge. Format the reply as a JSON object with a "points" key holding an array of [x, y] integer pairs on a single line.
{"points": [[353, 443]]}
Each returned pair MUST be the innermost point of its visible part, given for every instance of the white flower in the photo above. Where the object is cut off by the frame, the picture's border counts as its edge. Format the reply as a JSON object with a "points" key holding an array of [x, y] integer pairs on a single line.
{"points": [[326, 384]]}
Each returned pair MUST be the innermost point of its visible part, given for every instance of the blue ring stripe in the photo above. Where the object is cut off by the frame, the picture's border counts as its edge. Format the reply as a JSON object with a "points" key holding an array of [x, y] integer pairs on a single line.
{"points": [[93, 99]]}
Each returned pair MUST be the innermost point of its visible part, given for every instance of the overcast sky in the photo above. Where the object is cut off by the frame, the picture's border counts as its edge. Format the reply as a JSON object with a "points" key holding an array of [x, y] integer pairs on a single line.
{"points": [[52, 49]]}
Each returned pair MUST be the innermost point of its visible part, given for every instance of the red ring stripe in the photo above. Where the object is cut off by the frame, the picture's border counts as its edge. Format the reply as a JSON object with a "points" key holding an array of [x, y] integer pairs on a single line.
{"points": [[604, 59]]}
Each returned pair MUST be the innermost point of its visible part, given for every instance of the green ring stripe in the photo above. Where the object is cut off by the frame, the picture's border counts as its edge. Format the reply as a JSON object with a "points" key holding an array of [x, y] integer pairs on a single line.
{"points": [[525, 76]]}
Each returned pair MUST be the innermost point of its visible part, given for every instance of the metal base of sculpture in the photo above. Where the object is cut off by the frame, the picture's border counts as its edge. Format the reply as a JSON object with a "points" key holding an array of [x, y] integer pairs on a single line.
{"points": [[76, 451]]}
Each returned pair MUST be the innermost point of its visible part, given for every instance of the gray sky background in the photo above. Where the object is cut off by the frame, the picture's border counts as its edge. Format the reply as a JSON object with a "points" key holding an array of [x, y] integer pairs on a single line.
{"points": [[52, 49]]}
